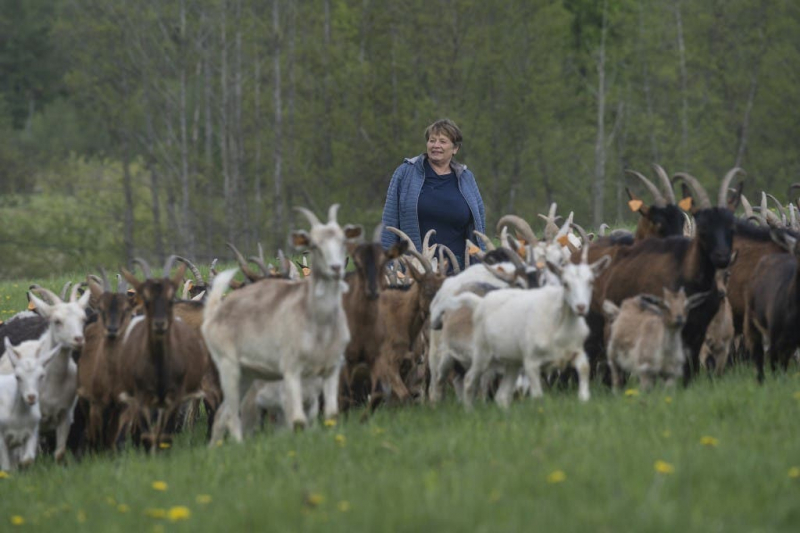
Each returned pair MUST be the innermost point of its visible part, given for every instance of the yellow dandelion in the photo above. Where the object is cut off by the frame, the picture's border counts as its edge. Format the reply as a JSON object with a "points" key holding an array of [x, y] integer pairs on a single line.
{"points": [[164, 445], [663, 467], [631, 392], [81, 516], [17, 520], [159, 485], [111, 501], [556, 476], [219, 443], [794, 472], [330, 423], [315, 499], [155, 513], [122, 508], [203, 499], [540, 410], [4, 474], [343, 506], [709, 441], [179, 512], [340, 439], [666, 434], [668, 399], [494, 495], [291, 453]]}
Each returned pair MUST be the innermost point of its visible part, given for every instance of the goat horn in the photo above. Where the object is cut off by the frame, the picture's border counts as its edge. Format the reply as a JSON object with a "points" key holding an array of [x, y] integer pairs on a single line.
{"points": [[143, 265], [65, 290], [312, 218], [286, 265], [487, 242], [376, 234], [106, 283], [660, 201], [403, 235], [73, 294], [427, 239], [451, 256], [212, 271], [252, 276], [792, 187], [726, 181], [520, 225], [122, 284], [260, 264], [585, 245], [551, 214], [46, 293], [779, 206], [332, 211], [748, 209], [198, 277], [168, 264], [423, 261], [662, 175], [702, 196]]}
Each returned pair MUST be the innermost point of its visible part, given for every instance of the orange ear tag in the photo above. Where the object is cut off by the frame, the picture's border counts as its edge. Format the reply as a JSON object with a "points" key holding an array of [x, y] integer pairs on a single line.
{"points": [[563, 240], [635, 205], [31, 306], [540, 264], [306, 271], [400, 275], [686, 203], [521, 251], [473, 250], [190, 286]]}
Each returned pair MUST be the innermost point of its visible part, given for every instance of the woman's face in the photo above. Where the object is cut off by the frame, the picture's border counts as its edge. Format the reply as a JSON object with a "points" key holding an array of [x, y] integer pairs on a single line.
{"points": [[441, 149]]}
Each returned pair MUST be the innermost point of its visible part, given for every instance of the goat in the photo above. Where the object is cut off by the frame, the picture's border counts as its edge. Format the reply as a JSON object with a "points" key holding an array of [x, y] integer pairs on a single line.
{"points": [[97, 364], [720, 332], [20, 412], [161, 362], [282, 330], [662, 218], [645, 336], [773, 306], [534, 328], [652, 264], [269, 397]]}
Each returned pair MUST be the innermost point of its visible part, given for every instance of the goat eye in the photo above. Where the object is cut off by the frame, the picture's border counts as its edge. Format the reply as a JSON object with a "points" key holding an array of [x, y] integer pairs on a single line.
{"points": [[58, 322]]}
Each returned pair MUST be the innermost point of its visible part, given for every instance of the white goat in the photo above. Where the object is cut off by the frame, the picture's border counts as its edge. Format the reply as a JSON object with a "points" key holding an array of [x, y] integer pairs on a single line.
{"points": [[59, 390], [645, 336], [269, 397], [533, 329], [20, 413], [282, 329]]}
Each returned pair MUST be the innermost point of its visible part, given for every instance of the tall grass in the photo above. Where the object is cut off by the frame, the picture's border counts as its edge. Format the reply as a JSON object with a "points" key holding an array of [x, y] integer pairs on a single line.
{"points": [[720, 455]]}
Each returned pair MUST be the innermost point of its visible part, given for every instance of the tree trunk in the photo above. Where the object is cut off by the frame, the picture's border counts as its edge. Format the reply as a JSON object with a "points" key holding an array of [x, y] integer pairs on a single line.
{"points": [[277, 203], [127, 187], [186, 239], [598, 187], [684, 88], [227, 190]]}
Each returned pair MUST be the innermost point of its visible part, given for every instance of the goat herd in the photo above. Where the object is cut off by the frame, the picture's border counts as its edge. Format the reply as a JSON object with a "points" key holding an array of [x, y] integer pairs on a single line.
{"points": [[693, 284]]}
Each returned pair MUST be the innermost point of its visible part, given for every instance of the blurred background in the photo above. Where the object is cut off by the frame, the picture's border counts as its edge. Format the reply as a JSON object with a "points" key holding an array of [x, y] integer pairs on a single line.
{"points": [[146, 127]]}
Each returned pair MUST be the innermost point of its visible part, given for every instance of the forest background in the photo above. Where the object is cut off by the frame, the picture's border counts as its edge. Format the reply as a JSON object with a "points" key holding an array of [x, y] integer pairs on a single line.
{"points": [[147, 127]]}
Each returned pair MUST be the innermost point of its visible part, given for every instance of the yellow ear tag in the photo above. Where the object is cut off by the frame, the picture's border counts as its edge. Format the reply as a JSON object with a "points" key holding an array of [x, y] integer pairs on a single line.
{"points": [[521, 251], [686, 203], [563, 240], [306, 271], [635, 205], [540, 264], [31, 306], [473, 250], [190, 286]]}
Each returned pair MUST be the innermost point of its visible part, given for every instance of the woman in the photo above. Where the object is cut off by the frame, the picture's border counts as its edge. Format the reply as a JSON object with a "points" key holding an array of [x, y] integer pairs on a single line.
{"points": [[434, 191]]}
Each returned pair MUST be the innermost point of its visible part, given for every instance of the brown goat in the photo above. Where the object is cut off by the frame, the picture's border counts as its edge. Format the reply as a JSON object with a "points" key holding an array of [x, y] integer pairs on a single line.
{"points": [[162, 360], [720, 332]]}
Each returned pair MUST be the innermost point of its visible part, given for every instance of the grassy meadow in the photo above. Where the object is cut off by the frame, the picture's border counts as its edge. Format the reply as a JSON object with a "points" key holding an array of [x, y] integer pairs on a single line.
{"points": [[721, 455]]}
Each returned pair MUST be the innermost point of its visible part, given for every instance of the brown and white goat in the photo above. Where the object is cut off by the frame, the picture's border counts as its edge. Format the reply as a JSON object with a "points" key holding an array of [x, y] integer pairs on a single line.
{"points": [[645, 336], [162, 361], [720, 332]]}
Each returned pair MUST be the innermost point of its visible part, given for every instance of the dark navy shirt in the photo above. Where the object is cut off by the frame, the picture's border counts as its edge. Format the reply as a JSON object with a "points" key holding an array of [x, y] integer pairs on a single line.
{"points": [[442, 207]]}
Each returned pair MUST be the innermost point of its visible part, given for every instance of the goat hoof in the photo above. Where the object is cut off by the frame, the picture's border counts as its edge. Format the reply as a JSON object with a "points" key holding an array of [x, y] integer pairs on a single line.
{"points": [[25, 463], [60, 456]]}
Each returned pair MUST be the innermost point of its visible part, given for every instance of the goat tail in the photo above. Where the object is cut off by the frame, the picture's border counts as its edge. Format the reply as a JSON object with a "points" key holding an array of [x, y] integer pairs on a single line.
{"points": [[218, 287], [465, 299]]}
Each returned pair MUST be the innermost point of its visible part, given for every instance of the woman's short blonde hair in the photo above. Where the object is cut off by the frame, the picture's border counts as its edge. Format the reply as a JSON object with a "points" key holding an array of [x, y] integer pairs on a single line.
{"points": [[444, 127]]}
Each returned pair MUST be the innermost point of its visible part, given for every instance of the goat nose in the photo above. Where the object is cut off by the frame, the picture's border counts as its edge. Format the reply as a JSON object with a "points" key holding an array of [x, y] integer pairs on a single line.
{"points": [[337, 269], [581, 308], [31, 398], [79, 340]]}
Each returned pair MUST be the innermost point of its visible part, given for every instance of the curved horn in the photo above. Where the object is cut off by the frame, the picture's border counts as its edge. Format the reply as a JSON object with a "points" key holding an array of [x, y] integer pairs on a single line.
{"points": [[585, 244], [46, 294], [252, 276], [403, 235], [748, 209], [212, 271], [487, 242], [426, 240], [143, 265], [312, 218], [423, 261], [65, 290], [665, 183], [122, 284], [198, 277], [520, 225], [73, 294], [702, 196], [445, 250], [376, 234], [659, 200], [722, 200], [603, 228], [168, 265], [779, 206], [332, 212], [106, 283]]}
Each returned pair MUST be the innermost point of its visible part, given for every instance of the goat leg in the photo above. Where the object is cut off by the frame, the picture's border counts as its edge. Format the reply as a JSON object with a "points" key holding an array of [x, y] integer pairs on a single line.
{"points": [[330, 392], [534, 371], [506, 389], [293, 400], [5, 459], [62, 432]]}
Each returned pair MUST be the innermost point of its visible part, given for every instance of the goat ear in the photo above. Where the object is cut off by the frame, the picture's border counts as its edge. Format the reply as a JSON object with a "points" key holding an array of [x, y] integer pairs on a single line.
{"points": [[636, 204], [610, 310], [397, 249], [734, 257], [557, 270], [95, 288], [687, 204], [178, 277], [300, 240], [600, 265], [649, 302], [354, 233], [12, 355], [83, 301], [697, 299], [43, 308], [131, 279]]}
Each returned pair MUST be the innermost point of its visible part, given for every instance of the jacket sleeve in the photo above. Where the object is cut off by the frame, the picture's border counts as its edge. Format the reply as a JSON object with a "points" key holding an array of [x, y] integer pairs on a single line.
{"points": [[391, 209], [480, 225]]}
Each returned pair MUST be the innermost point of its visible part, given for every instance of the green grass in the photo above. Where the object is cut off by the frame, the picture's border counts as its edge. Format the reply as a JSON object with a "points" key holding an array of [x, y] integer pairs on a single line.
{"points": [[423, 469]]}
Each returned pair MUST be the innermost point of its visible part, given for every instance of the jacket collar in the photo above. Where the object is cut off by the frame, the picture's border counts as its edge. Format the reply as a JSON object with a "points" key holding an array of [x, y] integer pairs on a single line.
{"points": [[418, 161]]}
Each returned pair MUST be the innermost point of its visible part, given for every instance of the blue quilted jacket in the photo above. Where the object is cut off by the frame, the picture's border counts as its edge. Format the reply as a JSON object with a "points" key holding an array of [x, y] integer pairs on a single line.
{"points": [[400, 210]]}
